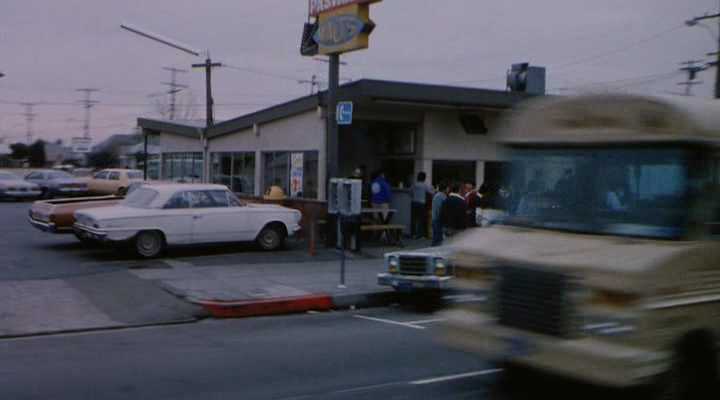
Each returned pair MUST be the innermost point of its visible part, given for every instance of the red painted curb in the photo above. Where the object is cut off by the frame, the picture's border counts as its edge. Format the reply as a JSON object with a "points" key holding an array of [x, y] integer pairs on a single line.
{"points": [[282, 305]]}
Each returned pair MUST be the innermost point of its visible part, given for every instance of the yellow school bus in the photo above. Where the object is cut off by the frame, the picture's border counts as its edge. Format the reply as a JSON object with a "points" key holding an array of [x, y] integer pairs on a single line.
{"points": [[607, 266]]}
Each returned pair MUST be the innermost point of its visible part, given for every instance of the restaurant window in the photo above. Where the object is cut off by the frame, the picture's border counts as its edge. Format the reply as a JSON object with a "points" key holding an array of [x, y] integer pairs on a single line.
{"points": [[182, 167], [282, 168], [451, 172], [234, 170]]}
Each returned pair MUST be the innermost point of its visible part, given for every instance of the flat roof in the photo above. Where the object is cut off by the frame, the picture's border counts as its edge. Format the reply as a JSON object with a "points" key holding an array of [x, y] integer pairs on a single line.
{"points": [[362, 92]]}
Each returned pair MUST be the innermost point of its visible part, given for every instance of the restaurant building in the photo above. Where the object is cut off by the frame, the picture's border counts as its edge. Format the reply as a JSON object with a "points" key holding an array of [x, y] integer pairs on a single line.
{"points": [[401, 128]]}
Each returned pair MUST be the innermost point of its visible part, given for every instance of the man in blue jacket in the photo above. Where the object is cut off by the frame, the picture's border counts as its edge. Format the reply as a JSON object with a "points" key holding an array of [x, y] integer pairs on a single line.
{"points": [[381, 193]]}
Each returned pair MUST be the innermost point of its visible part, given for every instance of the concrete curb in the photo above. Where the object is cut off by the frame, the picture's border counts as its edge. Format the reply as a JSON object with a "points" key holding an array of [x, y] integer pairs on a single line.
{"points": [[298, 304]]}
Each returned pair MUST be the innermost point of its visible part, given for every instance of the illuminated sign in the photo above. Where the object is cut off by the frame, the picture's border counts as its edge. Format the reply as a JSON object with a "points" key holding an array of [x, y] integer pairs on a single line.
{"points": [[339, 30], [318, 7]]}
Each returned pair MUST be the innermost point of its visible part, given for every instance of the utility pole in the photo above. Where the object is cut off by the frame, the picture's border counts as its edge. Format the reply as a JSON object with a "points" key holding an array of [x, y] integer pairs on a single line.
{"points": [[88, 104], [29, 118], [696, 20], [174, 87], [692, 68], [208, 65], [313, 82], [332, 93]]}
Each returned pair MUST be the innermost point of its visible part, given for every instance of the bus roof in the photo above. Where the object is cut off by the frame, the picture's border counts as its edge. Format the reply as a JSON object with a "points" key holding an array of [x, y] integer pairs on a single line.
{"points": [[612, 118]]}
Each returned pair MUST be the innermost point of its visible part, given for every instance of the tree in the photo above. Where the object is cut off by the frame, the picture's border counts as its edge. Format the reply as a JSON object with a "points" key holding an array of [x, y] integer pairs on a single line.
{"points": [[36, 154], [19, 151], [185, 106], [102, 159]]}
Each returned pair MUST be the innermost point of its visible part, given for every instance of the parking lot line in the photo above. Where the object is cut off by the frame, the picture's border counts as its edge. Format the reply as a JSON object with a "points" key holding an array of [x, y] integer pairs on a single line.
{"points": [[389, 321], [426, 321], [456, 376]]}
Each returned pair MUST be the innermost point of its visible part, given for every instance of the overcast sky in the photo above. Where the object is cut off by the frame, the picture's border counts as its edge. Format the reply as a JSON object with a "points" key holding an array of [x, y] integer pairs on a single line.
{"points": [[52, 47]]}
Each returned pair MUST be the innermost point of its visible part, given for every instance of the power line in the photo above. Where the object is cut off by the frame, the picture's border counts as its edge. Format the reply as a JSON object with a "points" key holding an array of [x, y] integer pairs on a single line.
{"points": [[29, 118], [88, 105], [174, 87]]}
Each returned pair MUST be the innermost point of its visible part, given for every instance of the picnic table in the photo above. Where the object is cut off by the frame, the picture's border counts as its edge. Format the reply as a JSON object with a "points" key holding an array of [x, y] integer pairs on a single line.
{"points": [[378, 220]]}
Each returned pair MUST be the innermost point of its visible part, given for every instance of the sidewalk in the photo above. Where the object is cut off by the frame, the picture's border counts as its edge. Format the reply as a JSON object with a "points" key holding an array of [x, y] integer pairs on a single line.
{"points": [[275, 288]]}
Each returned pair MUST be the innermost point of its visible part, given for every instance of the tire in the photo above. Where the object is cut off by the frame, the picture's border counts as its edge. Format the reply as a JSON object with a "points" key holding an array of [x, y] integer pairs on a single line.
{"points": [[149, 244], [272, 237], [85, 241], [693, 374], [121, 191]]}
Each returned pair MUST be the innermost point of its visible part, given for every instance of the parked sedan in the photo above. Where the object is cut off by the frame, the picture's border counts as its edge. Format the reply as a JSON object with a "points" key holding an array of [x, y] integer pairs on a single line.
{"points": [[113, 181], [12, 187], [154, 217], [57, 183]]}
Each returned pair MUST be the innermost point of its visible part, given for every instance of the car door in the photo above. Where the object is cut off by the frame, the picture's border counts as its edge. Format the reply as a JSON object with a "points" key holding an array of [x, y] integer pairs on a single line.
{"points": [[215, 218], [96, 184], [176, 219]]}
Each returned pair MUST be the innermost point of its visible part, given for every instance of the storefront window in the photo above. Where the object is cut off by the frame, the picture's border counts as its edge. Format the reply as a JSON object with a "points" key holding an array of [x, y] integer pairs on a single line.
{"points": [[453, 171], [234, 170], [182, 167], [279, 171]]}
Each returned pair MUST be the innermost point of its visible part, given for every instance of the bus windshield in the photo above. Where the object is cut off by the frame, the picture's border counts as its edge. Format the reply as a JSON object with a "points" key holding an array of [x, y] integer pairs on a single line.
{"points": [[644, 192]]}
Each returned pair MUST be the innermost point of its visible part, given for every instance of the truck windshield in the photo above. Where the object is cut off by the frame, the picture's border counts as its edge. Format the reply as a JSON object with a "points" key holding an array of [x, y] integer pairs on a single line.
{"points": [[644, 192]]}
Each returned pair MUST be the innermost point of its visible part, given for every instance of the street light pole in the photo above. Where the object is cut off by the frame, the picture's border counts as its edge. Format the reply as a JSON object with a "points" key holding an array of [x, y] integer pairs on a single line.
{"points": [[208, 65]]}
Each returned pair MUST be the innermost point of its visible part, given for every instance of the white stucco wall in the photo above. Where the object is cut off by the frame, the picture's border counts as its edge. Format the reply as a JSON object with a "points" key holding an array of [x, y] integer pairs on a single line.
{"points": [[169, 143], [301, 132], [443, 138]]}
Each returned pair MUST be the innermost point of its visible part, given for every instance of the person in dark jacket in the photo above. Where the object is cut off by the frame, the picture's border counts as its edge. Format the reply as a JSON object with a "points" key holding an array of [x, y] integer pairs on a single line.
{"points": [[453, 213]]}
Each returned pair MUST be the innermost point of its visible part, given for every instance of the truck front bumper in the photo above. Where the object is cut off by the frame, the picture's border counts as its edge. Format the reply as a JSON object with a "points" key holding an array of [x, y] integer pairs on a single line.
{"points": [[412, 282], [586, 359]]}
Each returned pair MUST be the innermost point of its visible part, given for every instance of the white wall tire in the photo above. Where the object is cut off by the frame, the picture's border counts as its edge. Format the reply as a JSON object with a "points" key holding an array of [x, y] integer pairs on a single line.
{"points": [[149, 244]]}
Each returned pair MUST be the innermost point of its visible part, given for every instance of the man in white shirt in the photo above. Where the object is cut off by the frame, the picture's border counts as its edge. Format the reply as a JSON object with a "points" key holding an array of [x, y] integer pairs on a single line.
{"points": [[420, 190]]}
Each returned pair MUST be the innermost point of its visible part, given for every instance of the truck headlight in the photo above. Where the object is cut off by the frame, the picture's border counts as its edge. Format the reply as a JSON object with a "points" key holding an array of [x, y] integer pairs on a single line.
{"points": [[440, 267], [393, 263]]}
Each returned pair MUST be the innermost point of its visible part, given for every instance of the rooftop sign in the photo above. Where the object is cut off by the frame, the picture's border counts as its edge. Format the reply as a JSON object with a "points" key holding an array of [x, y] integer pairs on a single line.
{"points": [[318, 7]]}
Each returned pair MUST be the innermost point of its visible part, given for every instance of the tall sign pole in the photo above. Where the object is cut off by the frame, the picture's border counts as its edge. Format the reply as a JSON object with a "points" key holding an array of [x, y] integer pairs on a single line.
{"points": [[333, 131]]}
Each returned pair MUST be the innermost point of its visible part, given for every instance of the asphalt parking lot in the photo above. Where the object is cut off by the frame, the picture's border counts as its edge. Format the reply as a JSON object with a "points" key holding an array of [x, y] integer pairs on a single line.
{"points": [[27, 253]]}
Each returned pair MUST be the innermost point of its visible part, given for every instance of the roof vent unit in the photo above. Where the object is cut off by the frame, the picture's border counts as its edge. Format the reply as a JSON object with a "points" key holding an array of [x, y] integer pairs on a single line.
{"points": [[524, 78]]}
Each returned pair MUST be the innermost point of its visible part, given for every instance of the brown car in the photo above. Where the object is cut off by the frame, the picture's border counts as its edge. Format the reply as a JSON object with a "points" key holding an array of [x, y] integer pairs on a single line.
{"points": [[57, 216]]}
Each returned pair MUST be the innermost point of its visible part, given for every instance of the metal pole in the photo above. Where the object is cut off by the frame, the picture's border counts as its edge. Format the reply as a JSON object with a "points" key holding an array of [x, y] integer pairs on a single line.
{"points": [[333, 149], [145, 155], [342, 251], [208, 93], [717, 65]]}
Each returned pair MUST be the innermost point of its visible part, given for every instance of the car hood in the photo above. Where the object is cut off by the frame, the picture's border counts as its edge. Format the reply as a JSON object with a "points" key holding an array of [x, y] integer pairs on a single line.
{"points": [[606, 261], [17, 183]]}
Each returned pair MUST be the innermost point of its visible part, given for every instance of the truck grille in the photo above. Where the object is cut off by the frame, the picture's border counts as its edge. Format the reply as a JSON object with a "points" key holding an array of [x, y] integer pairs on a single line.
{"points": [[533, 300], [413, 265]]}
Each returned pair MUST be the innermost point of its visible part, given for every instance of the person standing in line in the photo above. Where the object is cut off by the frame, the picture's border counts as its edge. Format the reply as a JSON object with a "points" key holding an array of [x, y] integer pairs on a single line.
{"points": [[381, 193], [437, 204], [420, 190], [472, 200], [453, 213]]}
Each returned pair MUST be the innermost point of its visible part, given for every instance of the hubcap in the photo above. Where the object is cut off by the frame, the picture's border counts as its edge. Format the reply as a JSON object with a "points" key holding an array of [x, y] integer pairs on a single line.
{"points": [[270, 239], [148, 244]]}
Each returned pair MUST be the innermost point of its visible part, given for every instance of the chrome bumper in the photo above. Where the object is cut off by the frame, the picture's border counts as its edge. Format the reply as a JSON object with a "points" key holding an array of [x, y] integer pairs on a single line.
{"points": [[47, 226], [412, 282], [587, 359]]}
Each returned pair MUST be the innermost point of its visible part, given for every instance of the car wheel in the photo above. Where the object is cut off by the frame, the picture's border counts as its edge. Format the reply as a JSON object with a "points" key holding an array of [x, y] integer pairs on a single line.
{"points": [[694, 370], [271, 238], [149, 244], [121, 191]]}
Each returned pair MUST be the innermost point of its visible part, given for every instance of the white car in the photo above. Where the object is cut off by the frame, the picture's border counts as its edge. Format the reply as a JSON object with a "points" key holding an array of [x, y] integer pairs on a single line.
{"points": [[154, 217]]}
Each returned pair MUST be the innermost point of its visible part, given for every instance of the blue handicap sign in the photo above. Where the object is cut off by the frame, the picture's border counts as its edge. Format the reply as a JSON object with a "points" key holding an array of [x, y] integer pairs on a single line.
{"points": [[344, 112]]}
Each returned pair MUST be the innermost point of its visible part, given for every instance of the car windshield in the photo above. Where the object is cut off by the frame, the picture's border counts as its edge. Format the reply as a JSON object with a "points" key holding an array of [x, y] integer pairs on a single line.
{"points": [[632, 192], [59, 175], [140, 198], [6, 176]]}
